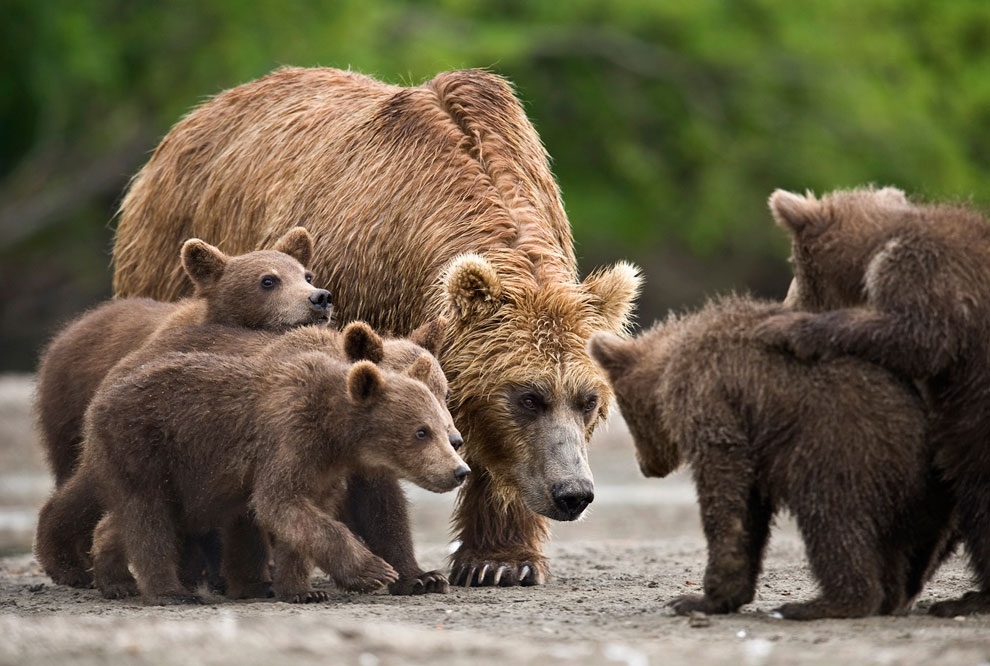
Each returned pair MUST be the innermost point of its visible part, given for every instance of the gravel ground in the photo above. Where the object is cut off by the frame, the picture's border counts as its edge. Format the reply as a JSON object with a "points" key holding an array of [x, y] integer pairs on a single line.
{"points": [[614, 571]]}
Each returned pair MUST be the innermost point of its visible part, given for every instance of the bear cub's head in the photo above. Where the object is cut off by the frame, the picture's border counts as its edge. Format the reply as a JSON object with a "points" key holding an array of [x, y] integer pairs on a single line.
{"points": [[269, 289], [410, 433], [634, 367]]}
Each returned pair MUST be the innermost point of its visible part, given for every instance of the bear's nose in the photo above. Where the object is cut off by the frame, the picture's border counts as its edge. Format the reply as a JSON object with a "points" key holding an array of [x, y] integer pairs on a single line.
{"points": [[320, 299], [572, 500], [461, 473], [455, 440]]}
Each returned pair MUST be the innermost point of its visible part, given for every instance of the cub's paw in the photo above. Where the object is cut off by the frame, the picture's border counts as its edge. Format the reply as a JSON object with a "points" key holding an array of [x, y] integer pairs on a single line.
{"points": [[371, 573], [72, 577], [485, 573], [793, 332], [697, 603], [119, 589], [971, 602], [425, 583]]}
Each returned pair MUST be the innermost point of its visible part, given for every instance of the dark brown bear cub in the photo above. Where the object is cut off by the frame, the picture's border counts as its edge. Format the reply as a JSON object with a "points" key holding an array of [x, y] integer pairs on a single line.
{"points": [[268, 289], [906, 286], [197, 441], [841, 443]]}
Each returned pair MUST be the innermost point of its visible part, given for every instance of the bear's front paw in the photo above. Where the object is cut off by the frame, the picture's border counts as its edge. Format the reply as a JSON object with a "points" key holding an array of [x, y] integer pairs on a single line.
{"points": [[303, 596], [971, 602], [425, 583], [793, 332], [72, 577], [371, 573], [696, 603], [483, 573], [119, 589]]}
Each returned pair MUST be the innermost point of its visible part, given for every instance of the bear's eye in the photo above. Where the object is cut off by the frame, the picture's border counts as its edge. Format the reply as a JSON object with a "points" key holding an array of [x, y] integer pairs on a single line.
{"points": [[590, 404], [309, 278], [529, 401], [422, 433], [269, 282], [447, 398]]}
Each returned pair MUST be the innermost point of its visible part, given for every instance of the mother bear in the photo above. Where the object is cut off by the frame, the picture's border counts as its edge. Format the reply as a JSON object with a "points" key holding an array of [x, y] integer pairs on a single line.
{"points": [[424, 202]]}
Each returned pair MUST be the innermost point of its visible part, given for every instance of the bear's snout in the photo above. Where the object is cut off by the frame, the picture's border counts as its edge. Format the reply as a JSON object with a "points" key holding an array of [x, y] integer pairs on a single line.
{"points": [[320, 300], [572, 499], [456, 440], [461, 473]]}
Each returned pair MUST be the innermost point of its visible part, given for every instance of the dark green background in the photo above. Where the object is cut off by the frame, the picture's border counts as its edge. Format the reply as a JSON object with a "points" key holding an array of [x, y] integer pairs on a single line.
{"points": [[669, 122]]}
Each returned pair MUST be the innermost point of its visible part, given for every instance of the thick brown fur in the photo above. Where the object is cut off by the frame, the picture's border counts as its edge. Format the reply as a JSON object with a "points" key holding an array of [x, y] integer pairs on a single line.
{"points": [[376, 506], [197, 441], [233, 291], [840, 442], [905, 285], [228, 292], [398, 186]]}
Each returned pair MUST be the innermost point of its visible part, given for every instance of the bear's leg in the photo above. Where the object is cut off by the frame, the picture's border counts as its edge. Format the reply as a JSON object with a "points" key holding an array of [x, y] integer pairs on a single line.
{"points": [[293, 577], [932, 537], [113, 578], [151, 541], [973, 490], [296, 523], [876, 336], [65, 531], [244, 557], [501, 541], [845, 554], [737, 526], [377, 512]]}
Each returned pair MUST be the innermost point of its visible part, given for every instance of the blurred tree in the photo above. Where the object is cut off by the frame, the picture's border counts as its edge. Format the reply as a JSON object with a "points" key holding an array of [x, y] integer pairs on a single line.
{"points": [[669, 123]]}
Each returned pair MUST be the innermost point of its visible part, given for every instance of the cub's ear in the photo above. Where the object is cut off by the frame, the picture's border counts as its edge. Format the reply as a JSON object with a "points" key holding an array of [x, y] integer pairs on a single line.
{"points": [[796, 213], [296, 243], [614, 354], [422, 368], [429, 336], [361, 343], [364, 383], [203, 263], [613, 293], [892, 196], [472, 288]]}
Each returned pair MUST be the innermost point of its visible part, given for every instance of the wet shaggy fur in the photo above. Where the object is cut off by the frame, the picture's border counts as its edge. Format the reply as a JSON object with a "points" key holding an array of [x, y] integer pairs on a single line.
{"points": [[198, 441], [262, 290], [376, 507], [229, 291], [426, 201], [905, 285], [840, 442]]}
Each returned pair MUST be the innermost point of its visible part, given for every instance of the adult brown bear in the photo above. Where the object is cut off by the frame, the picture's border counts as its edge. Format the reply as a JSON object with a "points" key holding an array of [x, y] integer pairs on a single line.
{"points": [[430, 201]]}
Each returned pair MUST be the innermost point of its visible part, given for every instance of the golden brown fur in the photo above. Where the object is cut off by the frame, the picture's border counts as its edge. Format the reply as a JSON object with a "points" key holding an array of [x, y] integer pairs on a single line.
{"points": [[398, 186]]}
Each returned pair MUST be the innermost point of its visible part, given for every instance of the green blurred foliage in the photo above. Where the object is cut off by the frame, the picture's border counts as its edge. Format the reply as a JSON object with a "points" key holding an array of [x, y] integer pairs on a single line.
{"points": [[669, 122]]}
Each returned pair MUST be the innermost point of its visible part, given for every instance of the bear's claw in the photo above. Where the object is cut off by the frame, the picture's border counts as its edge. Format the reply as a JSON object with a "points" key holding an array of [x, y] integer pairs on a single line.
{"points": [[501, 574]]}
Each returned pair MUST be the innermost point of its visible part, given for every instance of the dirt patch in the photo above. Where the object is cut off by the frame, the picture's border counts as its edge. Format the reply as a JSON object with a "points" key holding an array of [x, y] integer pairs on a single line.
{"points": [[640, 546]]}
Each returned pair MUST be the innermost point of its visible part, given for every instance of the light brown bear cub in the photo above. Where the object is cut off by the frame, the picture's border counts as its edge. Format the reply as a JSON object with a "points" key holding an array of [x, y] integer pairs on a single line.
{"points": [[375, 507], [841, 443], [197, 441], [269, 289], [905, 285]]}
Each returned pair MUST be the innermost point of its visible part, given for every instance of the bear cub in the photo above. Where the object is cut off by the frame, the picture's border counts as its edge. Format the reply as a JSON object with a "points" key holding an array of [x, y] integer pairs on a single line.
{"points": [[905, 285], [840, 442], [198, 441]]}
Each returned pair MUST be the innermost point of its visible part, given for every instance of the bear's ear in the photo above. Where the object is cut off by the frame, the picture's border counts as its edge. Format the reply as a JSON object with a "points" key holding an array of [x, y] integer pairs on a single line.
{"points": [[892, 196], [611, 352], [613, 293], [361, 343], [296, 243], [364, 382], [203, 263], [796, 213], [429, 336], [472, 287], [421, 369]]}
